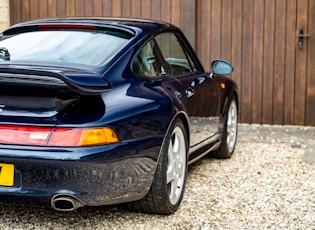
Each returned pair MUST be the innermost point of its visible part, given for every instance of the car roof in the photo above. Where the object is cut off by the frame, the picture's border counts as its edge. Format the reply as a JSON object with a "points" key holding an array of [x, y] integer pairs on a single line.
{"points": [[131, 24]]}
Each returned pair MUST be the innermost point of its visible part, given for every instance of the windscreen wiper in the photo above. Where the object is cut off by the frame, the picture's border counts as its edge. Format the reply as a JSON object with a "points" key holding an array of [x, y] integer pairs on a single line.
{"points": [[4, 54]]}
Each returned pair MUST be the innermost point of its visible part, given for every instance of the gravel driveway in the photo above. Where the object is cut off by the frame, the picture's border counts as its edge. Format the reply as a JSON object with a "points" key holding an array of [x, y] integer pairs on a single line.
{"points": [[268, 184]]}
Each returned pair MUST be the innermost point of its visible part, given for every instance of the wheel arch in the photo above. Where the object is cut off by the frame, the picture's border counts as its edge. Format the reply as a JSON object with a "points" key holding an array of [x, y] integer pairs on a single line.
{"points": [[235, 94], [183, 117]]}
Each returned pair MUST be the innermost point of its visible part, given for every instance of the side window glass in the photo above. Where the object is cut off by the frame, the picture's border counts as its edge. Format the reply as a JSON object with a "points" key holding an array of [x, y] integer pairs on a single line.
{"points": [[148, 62], [174, 54]]}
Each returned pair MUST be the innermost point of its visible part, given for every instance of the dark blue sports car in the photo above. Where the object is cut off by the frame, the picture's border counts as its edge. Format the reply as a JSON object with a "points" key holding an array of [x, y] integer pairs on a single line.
{"points": [[97, 111]]}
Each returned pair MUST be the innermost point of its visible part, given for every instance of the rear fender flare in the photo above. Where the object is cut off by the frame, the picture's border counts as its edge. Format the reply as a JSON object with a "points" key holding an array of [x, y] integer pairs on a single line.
{"points": [[183, 117]]}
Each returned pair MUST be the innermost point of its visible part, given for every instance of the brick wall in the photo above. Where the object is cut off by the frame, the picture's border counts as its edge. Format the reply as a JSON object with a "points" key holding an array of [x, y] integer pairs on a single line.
{"points": [[4, 14]]}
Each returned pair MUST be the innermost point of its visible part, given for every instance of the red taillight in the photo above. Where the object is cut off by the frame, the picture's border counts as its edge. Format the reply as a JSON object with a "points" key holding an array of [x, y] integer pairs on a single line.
{"points": [[65, 137], [24, 135], [62, 137]]}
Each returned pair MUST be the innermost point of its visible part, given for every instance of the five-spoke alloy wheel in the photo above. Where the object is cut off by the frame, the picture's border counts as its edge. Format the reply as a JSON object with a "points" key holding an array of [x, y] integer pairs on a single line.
{"points": [[228, 140], [168, 187], [176, 165]]}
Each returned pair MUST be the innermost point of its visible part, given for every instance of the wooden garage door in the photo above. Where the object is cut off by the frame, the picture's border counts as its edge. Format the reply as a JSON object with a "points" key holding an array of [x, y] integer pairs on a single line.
{"points": [[276, 77], [260, 38]]}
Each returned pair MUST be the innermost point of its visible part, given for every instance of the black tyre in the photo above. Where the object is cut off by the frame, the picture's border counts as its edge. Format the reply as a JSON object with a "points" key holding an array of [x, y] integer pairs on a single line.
{"points": [[168, 187], [229, 134]]}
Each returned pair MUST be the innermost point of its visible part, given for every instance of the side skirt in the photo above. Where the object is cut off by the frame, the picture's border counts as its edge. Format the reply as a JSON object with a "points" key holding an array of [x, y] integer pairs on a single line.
{"points": [[198, 151]]}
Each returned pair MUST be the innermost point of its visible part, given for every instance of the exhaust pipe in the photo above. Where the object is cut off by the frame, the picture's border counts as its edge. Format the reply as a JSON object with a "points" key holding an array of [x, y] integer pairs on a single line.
{"points": [[66, 203]]}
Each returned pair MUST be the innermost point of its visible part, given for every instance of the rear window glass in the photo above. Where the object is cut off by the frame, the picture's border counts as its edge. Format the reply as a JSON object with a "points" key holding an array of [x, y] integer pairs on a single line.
{"points": [[87, 47]]}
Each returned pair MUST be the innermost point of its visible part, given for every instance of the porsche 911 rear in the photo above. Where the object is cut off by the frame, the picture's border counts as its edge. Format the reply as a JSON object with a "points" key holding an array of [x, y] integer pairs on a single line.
{"points": [[56, 146], [54, 149], [97, 111]]}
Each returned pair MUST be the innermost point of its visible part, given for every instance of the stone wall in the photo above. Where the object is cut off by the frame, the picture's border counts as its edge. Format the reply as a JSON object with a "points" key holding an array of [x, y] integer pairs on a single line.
{"points": [[4, 14]]}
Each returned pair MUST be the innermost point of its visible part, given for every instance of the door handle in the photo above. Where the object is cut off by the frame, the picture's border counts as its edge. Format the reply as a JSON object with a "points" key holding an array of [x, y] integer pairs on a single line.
{"points": [[189, 92], [301, 37]]}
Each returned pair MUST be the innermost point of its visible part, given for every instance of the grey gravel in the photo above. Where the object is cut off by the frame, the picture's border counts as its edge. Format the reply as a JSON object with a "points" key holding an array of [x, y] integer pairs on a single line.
{"points": [[269, 183]]}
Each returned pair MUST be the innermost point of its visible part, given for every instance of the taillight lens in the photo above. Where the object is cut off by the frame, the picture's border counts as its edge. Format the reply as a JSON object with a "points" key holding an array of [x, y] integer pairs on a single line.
{"points": [[62, 137], [82, 137]]}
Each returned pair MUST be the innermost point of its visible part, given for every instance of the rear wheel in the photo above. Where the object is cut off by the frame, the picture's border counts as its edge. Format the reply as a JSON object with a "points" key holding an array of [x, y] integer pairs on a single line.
{"points": [[229, 134], [168, 187]]}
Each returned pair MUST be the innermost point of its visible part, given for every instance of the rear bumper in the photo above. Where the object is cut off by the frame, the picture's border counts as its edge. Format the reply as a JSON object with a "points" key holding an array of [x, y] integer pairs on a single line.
{"points": [[94, 175]]}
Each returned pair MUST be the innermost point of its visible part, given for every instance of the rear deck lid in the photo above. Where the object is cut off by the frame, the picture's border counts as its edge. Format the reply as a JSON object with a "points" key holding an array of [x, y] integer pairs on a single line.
{"points": [[44, 95]]}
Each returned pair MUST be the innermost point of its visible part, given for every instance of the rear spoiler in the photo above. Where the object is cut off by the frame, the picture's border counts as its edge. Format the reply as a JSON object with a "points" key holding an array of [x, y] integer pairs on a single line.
{"points": [[80, 81]]}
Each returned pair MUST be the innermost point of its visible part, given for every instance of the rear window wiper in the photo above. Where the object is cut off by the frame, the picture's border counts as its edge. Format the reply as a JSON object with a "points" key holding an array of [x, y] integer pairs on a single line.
{"points": [[4, 54]]}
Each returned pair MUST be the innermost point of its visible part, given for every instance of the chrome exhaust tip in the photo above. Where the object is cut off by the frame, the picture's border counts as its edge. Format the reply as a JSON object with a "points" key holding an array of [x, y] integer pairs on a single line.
{"points": [[66, 203]]}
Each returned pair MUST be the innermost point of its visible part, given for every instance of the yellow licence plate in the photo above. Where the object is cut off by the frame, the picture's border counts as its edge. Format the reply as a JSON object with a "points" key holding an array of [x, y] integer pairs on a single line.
{"points": [[6, 174]]}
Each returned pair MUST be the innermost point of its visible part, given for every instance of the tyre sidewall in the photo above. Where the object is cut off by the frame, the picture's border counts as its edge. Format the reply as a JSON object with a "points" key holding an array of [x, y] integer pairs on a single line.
{"points": [[161, 172], [225, 133], [223, 151]]}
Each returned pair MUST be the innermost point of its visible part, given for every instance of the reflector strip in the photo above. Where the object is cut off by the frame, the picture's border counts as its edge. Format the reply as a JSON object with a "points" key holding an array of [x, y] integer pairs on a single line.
{"points": [[41, 136]]}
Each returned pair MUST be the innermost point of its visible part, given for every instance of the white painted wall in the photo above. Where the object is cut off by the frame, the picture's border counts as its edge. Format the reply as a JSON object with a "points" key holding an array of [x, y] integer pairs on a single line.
{"points": [[4, 14]]}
